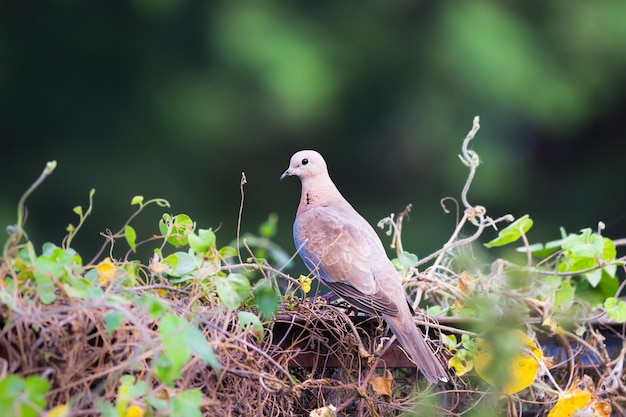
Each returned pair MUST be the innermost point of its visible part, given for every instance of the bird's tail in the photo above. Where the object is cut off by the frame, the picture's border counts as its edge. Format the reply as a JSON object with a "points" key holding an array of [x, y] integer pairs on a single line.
{"points": [[413, 342]]}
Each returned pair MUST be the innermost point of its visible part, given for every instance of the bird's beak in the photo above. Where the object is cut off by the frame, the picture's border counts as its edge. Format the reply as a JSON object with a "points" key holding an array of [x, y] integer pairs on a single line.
{"points": [[285, 174]]}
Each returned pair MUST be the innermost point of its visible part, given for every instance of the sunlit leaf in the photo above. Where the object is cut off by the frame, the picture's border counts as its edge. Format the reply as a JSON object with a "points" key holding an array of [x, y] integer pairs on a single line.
{"points": [[177, 228], [520, 368], [570, 402], [305, 281], [202, 241], [59, 411], [461, 366], [512, 232], [131, 237], [449, 341], [134, 410], [615, 309], [228, 252], [586, 244]]}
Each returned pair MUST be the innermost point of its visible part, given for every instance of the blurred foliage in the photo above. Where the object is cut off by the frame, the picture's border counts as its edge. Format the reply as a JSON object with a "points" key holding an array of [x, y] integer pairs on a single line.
{"points": [[177, 98]]}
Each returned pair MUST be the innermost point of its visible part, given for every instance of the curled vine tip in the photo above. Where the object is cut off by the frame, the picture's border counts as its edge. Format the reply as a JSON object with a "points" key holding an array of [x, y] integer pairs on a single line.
{"points": [[50, 166]]}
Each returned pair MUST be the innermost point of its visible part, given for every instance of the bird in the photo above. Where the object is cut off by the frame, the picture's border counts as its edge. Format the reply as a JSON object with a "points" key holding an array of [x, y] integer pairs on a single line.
{"points": [[343, 250]]}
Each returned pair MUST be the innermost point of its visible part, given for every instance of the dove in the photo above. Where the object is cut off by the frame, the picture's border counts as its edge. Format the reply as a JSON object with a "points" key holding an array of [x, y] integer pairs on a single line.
{"points": [[343, 250]]}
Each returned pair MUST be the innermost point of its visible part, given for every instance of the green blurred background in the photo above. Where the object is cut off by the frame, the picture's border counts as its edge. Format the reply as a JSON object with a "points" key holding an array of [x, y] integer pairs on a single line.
{"points": [[174, 99]]}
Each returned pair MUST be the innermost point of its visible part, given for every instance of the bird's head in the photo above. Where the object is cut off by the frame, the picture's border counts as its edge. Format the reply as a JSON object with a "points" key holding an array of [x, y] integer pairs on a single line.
{"points": [[306, 164]]}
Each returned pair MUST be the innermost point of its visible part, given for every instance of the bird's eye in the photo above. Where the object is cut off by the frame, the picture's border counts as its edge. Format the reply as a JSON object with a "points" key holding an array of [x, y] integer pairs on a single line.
{"points": [[305, 161]]}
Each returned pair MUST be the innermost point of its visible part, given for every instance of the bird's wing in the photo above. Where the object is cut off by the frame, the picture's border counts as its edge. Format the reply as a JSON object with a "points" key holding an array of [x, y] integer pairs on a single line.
{"points": [[334, 246]]}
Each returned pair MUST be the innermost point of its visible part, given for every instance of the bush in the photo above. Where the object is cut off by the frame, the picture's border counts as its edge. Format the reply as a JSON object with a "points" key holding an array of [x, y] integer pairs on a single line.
{"points": [[201, 329]]}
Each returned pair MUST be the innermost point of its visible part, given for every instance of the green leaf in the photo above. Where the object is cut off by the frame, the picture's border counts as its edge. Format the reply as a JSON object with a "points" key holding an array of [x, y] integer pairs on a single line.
{"points": [[233, 290], [201, 242], [201, 347], [512, 232], [82, 288], [608, 250], [585, 245], [176, 353], [449, 341], [23, 397], [267, 300], [128, 390], [564, 296], [112, 321], [105, 408], [181, 264], [405, 261], [268, 227], [615, 309], [164, 223], [165, 371], [608, 285], [179, 339], [177, 228], [434, 311], [137, 200], [594, 277], [131, 237], [123, 394], [251, 323], [228, 252], [45, 288], [187, 404], [153, 305], [157, 403], [542, 250]]}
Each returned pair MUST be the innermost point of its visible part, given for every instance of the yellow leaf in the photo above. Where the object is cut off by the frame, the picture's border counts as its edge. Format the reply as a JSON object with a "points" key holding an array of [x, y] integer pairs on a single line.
{"points": [[59, 411], [461, 366], [106, 271], [521, 368], [382, 384], [134, 411], [305, 282], [570, 402]]}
